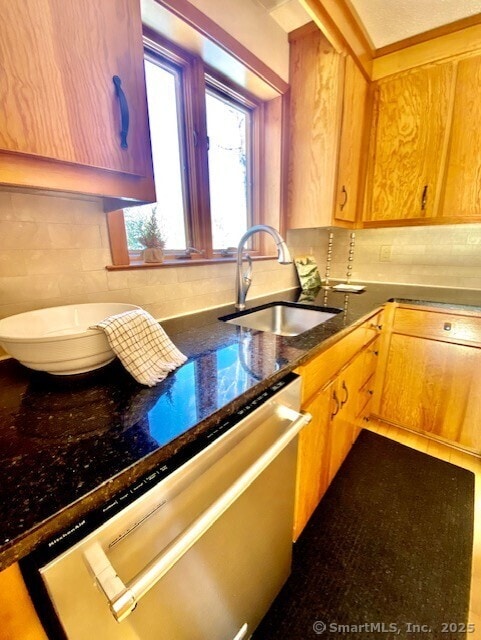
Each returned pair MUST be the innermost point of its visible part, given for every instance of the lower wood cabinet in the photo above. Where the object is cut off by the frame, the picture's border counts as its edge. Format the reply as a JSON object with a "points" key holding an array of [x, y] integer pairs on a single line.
{"points": [[338, 405], [344, 417], [415, 367], [429, 374], [18, 618], [313, 458]]}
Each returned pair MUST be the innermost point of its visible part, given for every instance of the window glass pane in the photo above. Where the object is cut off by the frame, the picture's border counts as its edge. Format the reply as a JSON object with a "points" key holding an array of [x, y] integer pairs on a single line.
{"points": [[166, 139], [227, 128]]}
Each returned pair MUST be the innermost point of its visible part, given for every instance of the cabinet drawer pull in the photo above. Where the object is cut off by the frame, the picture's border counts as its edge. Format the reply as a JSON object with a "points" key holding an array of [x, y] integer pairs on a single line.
{"points": [[346, 392], [338, 405], [343, 204], [124, 112], [447, 326], [424, 198]]}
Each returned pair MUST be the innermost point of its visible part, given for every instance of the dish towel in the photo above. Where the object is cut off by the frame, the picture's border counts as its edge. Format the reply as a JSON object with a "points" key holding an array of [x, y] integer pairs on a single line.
{"points": [[141, 345]]}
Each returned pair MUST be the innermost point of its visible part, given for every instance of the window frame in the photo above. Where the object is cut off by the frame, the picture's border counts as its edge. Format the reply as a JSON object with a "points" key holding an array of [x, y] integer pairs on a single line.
{"points": [[196, 194], [226, 89], [172, 65], [197, 78]]}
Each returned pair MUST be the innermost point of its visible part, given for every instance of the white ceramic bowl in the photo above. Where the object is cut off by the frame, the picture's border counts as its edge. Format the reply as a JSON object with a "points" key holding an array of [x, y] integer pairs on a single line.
{"points": [[58, 339]]}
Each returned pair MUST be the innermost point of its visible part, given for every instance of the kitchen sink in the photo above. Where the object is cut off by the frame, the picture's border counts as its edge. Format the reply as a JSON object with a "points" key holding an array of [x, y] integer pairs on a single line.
{"points": [[282, 318]]}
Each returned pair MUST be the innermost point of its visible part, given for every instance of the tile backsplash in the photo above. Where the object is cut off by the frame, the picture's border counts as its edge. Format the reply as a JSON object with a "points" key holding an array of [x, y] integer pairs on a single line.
{"points": [[54, 249], [440, 255]]}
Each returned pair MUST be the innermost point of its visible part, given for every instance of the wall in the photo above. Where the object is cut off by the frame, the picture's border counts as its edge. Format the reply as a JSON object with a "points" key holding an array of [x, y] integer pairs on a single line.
{"points": [[446, 256], [53, 251], [251, 25]]}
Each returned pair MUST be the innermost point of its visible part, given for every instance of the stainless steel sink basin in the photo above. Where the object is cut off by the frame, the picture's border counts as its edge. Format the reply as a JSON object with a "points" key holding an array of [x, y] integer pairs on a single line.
{"points": [[282, 318]]}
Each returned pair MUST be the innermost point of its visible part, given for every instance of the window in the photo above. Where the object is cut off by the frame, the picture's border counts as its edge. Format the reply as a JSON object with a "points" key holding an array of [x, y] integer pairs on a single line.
{"points": [[164, 83], [230, 169], [206, 139]]}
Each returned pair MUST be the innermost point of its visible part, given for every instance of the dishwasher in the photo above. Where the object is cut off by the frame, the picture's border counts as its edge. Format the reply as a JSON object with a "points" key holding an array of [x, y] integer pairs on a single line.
{"points": [[196, 550]]}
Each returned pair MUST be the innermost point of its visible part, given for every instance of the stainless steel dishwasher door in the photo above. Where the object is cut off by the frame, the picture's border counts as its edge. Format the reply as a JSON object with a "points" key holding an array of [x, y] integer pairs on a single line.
{"points": [[222, 582]]}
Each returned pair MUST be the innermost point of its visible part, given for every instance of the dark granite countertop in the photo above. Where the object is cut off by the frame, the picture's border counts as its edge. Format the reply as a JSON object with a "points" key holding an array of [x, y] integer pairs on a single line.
{"points": [[69, 443]]}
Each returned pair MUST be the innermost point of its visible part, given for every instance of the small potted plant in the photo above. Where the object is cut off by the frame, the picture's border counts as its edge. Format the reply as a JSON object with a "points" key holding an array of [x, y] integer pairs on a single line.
{"points": [[152, 239]]}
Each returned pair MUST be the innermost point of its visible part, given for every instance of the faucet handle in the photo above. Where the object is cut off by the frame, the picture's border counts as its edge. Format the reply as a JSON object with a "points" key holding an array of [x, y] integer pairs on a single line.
{"points": [[248, 273], [247, 276]]}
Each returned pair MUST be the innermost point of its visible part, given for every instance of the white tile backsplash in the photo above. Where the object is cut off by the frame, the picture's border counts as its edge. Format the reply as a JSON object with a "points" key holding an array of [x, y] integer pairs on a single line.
{"points": [[441, 255], [54, 250]]}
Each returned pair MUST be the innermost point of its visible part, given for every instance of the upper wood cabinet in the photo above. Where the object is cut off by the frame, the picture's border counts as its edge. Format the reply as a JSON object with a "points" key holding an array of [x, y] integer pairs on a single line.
{"points": [[327, 111], [462, 197], [61, 115], [409, 138], [316, 76], [352, 131]]}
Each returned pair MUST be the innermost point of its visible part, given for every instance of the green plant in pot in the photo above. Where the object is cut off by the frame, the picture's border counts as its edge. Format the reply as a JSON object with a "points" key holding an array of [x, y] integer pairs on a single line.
{"points": [[152, 239]]}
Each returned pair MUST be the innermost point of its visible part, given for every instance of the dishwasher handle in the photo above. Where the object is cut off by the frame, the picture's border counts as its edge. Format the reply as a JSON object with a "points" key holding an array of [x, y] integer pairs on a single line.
{"points": [[123, 598]]}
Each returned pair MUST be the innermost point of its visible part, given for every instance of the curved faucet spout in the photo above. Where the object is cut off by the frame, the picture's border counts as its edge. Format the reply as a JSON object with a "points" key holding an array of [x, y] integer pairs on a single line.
{"points": [[243, 281]]}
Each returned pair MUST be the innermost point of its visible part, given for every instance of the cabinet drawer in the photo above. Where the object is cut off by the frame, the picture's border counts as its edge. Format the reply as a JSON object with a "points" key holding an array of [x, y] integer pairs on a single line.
{"points": [[365, 396], [371, 357], [324, 366], [374, 323], [444, 326]]}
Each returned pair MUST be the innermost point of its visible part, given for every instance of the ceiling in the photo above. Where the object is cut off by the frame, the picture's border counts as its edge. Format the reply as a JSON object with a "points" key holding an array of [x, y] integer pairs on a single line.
{"points": [[388, 21], [384, 21]]}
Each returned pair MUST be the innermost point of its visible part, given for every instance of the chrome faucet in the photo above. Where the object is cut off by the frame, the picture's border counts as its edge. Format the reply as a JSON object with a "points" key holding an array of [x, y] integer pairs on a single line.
{"points": [[243, 280]]}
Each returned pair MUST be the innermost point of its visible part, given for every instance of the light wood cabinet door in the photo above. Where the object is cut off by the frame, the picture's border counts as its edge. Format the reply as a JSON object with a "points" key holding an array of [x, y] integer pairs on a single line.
{"points": [[433, 387], [316, 76], [409, 144], [327, 439], [344, 412], [332, 383], [312, 459], [18, 618], [59, 100], [462, 197], [353, 117]]}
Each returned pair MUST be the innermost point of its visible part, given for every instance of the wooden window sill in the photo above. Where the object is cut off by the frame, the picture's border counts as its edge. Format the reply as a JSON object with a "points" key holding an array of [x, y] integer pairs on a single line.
{"points": [[190, 262]]}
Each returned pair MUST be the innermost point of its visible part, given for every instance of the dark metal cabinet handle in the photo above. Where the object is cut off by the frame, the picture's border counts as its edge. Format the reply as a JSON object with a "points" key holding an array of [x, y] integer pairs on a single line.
{"points": [[424, 197], [338, 405], [343, 204], [124, 112], [346, 392]]}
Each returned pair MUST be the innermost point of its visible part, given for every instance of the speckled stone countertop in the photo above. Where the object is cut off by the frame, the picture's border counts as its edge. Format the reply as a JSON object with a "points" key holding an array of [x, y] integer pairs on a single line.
{"points": [[69, 443]]}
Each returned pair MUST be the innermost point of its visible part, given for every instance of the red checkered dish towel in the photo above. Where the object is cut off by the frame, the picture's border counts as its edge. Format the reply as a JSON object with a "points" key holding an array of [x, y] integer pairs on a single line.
{"points": [[141, 345]]}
